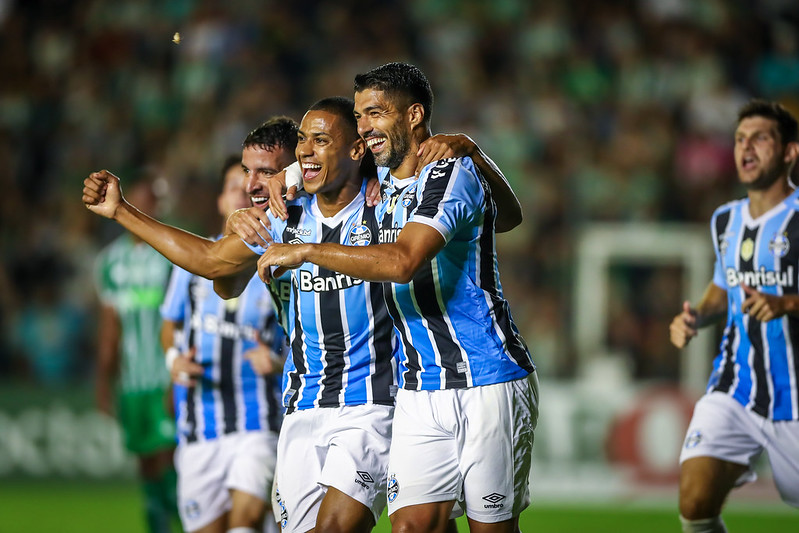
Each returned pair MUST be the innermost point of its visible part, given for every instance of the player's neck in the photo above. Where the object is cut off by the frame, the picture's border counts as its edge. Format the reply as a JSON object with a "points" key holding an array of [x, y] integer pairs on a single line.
{"points": [[331, 202], [761, 202]]}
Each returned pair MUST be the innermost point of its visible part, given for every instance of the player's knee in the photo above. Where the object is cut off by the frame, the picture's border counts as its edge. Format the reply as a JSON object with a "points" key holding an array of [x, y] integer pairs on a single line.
{"points": [[696, 505]]}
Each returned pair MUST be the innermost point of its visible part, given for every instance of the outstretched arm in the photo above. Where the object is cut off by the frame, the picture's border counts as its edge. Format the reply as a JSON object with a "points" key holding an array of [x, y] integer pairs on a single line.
{"points": [[397, 262], [102, 194], [443, 146]]}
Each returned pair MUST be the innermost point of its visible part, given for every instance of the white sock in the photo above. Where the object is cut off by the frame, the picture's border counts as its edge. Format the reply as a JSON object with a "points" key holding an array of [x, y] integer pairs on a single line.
{"points": [[705, 525], [242, 530]]}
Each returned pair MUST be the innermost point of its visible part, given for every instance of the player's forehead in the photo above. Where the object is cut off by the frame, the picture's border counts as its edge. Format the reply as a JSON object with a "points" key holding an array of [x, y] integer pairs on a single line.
{"points": [[321, 123], [370, 98], [756, 124], [270, 157]]}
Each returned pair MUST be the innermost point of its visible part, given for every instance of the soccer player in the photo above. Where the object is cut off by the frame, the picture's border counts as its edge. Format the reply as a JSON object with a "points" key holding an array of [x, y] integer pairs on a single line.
{"points": [[227, 395], [467, 409], [131, 279], [752, 401]]}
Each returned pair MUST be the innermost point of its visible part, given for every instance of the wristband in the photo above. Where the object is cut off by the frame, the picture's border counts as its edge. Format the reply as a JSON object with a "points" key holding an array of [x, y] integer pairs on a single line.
{"points": [[294, 176], [172, 353]]}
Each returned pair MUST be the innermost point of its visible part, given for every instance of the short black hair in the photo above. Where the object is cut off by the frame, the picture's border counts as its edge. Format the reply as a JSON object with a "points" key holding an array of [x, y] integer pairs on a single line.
{"points": [[402, 81], [786, 122], [341, 106], [277, 132]]}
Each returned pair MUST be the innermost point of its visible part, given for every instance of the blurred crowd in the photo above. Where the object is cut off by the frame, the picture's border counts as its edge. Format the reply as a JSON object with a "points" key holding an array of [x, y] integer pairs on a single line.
{"points": [[596, 110]]}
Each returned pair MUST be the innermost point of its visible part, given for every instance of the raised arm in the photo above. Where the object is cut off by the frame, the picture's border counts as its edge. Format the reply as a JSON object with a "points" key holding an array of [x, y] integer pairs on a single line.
{"points": [[397, 262], [102, 194], [443, 146]]}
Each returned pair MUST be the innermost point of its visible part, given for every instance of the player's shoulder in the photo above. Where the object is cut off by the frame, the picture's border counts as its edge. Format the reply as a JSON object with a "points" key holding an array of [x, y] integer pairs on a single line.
{"points": [[728, 207]]}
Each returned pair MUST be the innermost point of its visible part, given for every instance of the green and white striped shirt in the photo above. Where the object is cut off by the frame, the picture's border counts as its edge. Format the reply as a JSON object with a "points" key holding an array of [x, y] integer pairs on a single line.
{"points": [[132, 278]]}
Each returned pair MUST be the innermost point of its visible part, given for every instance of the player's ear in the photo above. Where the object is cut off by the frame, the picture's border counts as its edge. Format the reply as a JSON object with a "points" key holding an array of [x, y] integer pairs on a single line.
{"points": [[415, 114], [358, 149], [792, 152]]}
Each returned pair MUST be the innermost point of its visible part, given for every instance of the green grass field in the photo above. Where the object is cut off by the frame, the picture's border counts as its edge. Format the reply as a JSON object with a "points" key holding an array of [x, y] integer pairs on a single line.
{"points": [[64, 507]]}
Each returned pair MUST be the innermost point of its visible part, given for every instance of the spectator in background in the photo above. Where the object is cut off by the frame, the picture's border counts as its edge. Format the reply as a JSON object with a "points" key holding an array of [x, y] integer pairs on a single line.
{"points": [[752, 399], [131, 280]]}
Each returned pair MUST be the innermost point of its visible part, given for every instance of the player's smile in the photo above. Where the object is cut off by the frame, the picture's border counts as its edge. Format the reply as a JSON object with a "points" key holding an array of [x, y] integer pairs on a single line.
{"points": [[310, 170]]}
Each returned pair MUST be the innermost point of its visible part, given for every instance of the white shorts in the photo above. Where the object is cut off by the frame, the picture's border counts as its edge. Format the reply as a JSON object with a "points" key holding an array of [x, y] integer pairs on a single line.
{"points": [[473, 446], [208, 470], [724, 429], [341, 447]]}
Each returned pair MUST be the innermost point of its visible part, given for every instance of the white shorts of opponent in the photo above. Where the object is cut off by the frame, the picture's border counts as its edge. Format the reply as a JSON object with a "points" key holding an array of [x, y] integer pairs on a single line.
{"points": [[341, 447], [209, 470], [473, 446], [722, 428]]}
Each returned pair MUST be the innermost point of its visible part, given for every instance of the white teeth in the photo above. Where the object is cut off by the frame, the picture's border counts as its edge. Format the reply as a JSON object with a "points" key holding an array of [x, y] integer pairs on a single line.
{"points": [[258, 199], [373, 141], [311, 166]]}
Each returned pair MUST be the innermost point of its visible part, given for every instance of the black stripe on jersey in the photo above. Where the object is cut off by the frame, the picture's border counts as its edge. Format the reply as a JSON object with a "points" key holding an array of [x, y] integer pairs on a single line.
{"points": [[273, 418], [755, 333], [226, 372], [383, 331], [332, 330], [191, 392], [296, 352], [515, 345], [294, 213], [720, 228], [424, 291], [412, 356]]}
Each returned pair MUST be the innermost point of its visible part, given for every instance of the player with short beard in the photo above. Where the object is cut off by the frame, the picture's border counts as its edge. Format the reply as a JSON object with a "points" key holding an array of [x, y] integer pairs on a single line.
{"points": [[752, 400]]}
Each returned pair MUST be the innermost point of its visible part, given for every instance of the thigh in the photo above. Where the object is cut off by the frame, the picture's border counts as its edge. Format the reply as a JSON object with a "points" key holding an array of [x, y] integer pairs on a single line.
{"points": [[783, 454], [298, 492], [497, 444], [358, 439], [202, 496], [252, 459], [423, 463], [722, 429]]}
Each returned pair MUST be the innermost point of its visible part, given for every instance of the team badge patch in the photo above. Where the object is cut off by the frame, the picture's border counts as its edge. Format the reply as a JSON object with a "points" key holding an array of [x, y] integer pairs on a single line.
{"points": [[779, 245], [747, 249], [192, 509], [693, 439], [393, 488], [360, 235]]}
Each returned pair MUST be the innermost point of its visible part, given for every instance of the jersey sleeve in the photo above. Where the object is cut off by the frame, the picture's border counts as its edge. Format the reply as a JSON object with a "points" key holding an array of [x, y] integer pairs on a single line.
{"points": [[451, 195], [719, 278], [177, 295]]}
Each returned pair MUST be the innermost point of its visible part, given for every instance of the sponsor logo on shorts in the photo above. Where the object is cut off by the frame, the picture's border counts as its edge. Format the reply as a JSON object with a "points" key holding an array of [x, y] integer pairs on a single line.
{"points": [[494, 501], [365, 478], [284, 514], [191, 509], [393, 488], [693, 439]]}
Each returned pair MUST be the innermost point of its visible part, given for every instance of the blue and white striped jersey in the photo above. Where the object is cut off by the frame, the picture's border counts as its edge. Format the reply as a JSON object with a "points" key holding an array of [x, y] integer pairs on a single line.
{"points": [[453, 320], [757, 362], [230, 396], [341, 336]]}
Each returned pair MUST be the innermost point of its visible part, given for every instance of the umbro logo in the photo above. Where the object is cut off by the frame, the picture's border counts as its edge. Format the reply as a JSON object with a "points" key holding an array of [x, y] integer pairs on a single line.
{"points": [[365, 478], [494, 500]]}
